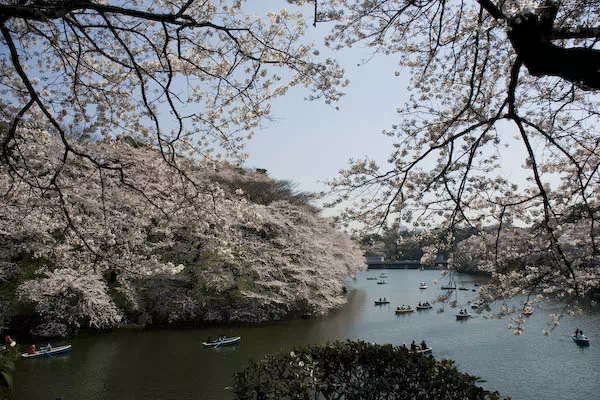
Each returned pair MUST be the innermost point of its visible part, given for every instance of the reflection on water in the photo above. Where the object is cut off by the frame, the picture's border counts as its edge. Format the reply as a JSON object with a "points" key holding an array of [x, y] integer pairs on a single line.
{"points": [[172, 364]]}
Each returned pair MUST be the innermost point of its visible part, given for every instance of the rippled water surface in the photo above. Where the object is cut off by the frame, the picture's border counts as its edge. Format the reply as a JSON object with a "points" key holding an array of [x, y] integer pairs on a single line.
{"points": [[171, 364]]}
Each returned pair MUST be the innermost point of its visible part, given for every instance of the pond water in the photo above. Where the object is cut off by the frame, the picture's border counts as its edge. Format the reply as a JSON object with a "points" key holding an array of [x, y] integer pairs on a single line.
{"points": [[172, 364]]}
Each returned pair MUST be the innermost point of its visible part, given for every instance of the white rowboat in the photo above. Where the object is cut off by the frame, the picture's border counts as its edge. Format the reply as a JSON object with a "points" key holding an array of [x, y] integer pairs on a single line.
{"points": [[223, 341], [48, 352]]}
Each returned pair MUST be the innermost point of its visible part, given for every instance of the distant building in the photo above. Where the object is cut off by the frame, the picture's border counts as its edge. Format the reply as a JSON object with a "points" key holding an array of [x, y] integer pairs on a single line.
{"points": [[374, 259], [379, 262]]}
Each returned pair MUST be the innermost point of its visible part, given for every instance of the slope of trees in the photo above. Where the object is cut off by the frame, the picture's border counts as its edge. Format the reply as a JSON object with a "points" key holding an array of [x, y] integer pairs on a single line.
{"points": [[100, 250]]}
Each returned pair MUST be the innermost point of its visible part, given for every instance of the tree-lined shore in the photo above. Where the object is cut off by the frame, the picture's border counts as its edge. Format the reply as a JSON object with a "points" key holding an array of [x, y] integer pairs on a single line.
{"points": [[152, 248]]}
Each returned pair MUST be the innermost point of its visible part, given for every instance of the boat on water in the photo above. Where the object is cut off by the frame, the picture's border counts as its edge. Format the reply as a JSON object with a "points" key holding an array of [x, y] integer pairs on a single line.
{"points": [[423, 285], [581, 339], [222, 341], [381, 302], [47, 351], [448, 288], [424, 307], [427, 350], [381, 282], [528, 311], [462, 316], [463, 288], [371, 278], [405, 310], [383, 276]]}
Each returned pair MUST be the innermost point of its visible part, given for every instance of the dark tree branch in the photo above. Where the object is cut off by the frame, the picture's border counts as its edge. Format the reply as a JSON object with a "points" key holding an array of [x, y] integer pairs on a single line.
{"points": [[531, 39]]}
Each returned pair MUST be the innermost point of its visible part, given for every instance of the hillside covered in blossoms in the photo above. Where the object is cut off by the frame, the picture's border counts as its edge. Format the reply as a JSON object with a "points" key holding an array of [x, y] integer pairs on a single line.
{"points": [[138, 240]]}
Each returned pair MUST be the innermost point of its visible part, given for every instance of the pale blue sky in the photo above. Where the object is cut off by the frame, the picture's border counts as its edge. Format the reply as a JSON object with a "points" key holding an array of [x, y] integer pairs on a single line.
{"points": [[310, 141]]}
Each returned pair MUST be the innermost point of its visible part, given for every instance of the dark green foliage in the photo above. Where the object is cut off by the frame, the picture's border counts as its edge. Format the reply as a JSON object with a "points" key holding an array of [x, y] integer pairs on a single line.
{"points": [[356, 371], [262, 190], [132, 142]]}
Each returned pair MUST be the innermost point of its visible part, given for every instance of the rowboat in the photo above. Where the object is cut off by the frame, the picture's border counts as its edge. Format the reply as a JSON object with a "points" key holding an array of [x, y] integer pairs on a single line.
{"points": [[423, 285], [381, 282], [428, 350], [371, 278], [581, 340], [424, 307], [222, 341], [448, 288], [404, 311], [383, 276], [381, 302], [48, 352], [528, 311], [463, 288], [463, 316]]}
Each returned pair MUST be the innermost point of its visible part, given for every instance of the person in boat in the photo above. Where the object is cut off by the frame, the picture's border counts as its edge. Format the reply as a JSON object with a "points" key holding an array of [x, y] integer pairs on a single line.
{"points": [[413, 346], [419, 304], [48, 347], [380, 299], [9, 342], [397, 308], [384, 299], [423, 345], [31, 349]]}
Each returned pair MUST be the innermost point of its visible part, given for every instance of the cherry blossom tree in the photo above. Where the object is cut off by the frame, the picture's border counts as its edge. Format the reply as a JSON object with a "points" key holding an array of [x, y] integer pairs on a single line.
{"points": [[112, 117], [99, 250], [188, 77], [493, 83]]}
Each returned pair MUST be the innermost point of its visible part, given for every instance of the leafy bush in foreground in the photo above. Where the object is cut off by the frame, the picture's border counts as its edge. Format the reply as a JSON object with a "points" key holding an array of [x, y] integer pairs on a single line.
{"points": [[356, 370]]}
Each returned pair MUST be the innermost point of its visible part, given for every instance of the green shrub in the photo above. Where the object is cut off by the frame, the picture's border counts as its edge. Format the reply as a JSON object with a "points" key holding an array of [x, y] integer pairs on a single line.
{"points": [[356, 371]]}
